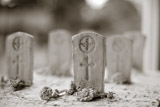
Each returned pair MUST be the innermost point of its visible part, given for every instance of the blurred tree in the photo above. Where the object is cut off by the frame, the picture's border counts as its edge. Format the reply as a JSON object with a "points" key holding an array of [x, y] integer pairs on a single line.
{"points": [[117, 16], [38, 17], [18, 3], [67, 14]]}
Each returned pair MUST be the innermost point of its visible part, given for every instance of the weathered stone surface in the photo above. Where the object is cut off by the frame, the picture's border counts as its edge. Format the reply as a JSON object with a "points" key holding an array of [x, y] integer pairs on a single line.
{"points": [[19, 52], [138, 49], [60, 52], [119, 50], [89, 60]]}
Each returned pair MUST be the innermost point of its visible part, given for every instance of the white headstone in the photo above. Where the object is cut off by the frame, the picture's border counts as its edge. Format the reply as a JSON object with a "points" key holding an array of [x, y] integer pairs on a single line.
{"points": [[19, 52], [119, 50], [60, 52], [89, 60], [138, 49]]}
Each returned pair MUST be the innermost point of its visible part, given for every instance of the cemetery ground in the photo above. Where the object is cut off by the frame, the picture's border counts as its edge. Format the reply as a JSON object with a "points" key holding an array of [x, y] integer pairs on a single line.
{"points": [[143, 92]]}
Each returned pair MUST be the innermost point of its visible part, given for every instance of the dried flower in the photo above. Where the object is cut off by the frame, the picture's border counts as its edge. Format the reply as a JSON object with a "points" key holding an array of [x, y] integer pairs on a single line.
{"points": [[17, 84], [46, 93], [86, 94], [72, 89]]}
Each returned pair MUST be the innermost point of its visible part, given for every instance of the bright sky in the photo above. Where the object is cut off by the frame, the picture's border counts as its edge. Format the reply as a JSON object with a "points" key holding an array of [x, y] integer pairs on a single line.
{"points": [[97, 4]]}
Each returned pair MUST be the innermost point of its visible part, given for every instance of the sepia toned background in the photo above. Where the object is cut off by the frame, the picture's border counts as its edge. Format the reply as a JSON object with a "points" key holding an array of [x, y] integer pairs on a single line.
{"points": [[106, 17]]}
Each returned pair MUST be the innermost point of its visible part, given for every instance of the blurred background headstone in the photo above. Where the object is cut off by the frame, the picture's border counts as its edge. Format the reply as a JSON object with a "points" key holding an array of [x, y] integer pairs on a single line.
{"points": [[138, 41], [119, 51], [39, 17], [60, 52]]}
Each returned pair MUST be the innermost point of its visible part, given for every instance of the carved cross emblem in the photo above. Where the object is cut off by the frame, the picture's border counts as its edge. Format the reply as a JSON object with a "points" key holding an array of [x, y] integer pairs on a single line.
{"points": [[16, 46], [86, 64], [87, 44]]}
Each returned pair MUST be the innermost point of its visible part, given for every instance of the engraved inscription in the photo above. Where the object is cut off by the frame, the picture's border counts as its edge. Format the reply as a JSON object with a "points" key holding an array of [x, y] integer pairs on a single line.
{"points": [[87, 44], [118, 45], [86, 64], [16, 43]]}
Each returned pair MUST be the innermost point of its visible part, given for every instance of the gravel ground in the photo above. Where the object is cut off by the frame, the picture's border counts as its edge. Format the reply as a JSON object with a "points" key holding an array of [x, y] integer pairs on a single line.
{"points": [[143, 92]]}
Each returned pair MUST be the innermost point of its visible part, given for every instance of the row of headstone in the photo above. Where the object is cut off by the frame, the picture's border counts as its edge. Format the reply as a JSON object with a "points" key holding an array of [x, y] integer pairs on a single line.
{"points": [[122, 53], [60, 43], [89, 56], [19, 54]]}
